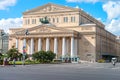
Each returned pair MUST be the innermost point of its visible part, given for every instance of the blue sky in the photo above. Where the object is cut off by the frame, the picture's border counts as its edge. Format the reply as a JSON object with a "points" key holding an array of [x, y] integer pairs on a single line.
{"points": [[107, 11]]}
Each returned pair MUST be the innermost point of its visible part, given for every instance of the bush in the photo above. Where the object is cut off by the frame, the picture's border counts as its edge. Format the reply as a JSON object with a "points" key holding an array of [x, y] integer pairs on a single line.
{"points": [[21, 63], [43, 56], [101, 61]]}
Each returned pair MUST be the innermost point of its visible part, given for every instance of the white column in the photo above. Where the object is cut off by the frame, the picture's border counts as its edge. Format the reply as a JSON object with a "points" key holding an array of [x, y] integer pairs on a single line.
{"points": [[17, 43], [24, 42], [32, 46], [55, 46], [75, 47], [63, 47], [47, 44], [29, 50], [72, 47], [39, 44]]}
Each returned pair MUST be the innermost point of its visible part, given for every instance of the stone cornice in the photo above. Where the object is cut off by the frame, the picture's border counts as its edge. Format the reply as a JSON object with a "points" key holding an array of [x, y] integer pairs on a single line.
{"points": [[88, 33], [44, 29], [53, 13], [37, 35], [83, 13]]}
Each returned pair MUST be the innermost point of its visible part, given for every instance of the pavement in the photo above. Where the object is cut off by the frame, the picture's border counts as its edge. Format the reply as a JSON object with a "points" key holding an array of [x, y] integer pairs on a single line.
{"points": [[65, 71]]}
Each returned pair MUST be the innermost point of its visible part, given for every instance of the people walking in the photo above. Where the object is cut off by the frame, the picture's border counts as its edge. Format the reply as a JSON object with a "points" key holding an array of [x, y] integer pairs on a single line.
{"points": [[114, 60], [14, 62]]}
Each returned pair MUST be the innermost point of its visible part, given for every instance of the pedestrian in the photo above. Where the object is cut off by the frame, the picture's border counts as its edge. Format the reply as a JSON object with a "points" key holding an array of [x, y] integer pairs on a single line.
{"points": [[4, 60], [14, 62], [114, 60]]}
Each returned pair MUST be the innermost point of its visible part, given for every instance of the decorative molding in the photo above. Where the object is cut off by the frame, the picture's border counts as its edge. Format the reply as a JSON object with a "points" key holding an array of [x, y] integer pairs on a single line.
{"points": [[50, 8], [43, 29]]}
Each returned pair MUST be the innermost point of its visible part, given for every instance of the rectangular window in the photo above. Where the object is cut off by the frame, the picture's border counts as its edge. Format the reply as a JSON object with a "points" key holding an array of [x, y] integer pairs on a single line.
{"points": [[32, 21], [28, 21], [25, 22], [53, 20], [65, 19], [49, 19], [57, 20], [35, 21], [73, 19]]}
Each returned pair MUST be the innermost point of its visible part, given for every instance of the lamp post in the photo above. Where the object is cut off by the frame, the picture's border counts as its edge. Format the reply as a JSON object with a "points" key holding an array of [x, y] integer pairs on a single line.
{"points": [[24, 47], [2, 34]]}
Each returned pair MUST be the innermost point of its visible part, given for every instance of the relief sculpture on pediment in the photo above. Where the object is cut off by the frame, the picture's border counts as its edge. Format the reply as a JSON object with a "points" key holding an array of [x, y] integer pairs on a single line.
{"points": [[44, 29], [50, 9]]}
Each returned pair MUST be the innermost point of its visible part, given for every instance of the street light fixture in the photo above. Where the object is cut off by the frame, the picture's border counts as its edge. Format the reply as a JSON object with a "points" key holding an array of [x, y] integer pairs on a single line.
{"points": [[2, 35], [24, 47]]}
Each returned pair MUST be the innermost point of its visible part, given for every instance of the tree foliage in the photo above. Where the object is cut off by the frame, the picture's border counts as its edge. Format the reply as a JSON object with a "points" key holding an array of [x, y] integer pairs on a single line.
{"points": [[13, 53], [43, 56]]}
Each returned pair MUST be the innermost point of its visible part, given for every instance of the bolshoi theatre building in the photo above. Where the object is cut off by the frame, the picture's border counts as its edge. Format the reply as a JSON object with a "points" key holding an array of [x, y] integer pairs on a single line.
{"points": [[70, 32]]}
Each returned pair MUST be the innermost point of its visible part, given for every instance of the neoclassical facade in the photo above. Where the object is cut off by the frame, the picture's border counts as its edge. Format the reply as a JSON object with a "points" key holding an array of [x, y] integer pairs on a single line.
{"points": [[70, 33]]}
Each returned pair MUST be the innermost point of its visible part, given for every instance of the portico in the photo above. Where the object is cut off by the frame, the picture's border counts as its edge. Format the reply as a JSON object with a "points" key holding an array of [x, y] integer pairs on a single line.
{"points": [[61, 42]]}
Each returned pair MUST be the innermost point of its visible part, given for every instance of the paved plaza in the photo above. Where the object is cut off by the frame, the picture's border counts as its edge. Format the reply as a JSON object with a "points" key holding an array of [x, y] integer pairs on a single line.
{"points": [[86, 71]]}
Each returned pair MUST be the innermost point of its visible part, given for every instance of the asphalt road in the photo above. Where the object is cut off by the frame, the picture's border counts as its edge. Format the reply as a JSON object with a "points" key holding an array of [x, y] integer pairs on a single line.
{"points": [[61, 72]]}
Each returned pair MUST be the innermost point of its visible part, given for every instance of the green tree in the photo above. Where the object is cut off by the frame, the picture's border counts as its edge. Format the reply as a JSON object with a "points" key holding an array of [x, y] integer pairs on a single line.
{"points": [[43, 56], [13, 53]]}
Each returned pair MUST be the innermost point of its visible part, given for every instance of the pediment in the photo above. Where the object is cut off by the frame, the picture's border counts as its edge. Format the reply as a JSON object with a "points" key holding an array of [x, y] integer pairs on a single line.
{"points": [[50, 8], [44, 29]]}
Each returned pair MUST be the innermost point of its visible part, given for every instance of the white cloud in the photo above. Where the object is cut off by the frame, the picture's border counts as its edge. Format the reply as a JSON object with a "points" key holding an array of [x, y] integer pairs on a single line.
{"points": [[10, 23], [99, 19], [4, 4], [90, 1], [112, 9], [114, 26], [77, 6], [93, 1]]}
